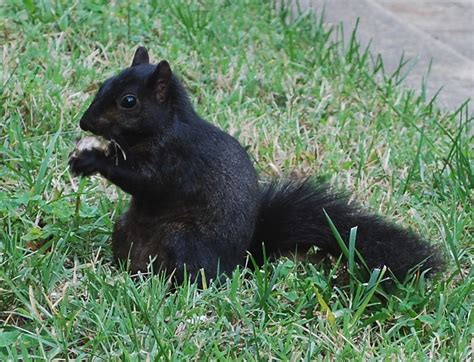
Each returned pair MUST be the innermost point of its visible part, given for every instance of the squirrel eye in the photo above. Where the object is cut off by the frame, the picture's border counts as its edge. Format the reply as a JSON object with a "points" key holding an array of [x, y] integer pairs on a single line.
{"points": [[128, 102]]}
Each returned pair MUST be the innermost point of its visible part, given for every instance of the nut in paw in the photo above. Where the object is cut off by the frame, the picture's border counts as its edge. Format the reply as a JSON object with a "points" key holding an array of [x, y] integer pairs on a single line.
{"points": [[87, 157], [86, 162]]}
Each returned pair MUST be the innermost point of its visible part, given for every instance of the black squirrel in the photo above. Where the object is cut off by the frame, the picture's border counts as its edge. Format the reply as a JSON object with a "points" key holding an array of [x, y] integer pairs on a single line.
{"points": [[196, 201]]}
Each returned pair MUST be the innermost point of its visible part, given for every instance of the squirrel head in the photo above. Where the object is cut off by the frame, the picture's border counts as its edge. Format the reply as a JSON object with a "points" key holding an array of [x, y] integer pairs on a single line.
{"points": [[138, 103]]}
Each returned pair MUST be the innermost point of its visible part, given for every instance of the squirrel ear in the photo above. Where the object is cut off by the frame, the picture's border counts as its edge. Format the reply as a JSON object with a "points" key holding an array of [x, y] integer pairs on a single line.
{"points": [[140, 57], [160, 80]]}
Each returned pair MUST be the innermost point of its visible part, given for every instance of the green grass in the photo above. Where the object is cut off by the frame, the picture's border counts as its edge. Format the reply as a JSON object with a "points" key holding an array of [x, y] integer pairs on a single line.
{"points": [[301, 103]]}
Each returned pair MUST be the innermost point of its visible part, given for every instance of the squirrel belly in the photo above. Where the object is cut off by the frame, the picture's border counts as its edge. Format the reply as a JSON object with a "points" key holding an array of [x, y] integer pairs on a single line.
{"points": [[196, 203]]}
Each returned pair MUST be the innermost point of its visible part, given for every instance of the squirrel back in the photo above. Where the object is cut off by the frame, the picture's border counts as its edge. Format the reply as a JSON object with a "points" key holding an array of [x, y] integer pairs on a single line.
{"points": [[196, 202]]}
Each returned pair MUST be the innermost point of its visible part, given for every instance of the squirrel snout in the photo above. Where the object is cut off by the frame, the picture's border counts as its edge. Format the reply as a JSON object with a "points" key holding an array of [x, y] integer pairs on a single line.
{"points": [[84, 124]]}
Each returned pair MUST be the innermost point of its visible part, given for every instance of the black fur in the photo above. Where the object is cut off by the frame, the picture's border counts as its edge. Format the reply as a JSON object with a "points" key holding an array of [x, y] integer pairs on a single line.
{"points": [[292, 213], [196, 202]]}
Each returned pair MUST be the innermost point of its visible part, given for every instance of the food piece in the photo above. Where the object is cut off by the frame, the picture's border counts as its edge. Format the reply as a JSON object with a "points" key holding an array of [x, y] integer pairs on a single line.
{"points": [[90, 142]]}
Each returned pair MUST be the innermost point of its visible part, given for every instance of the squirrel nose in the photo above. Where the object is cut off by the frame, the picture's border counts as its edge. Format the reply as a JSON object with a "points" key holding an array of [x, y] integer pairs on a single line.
{"points": [[84, 124]]}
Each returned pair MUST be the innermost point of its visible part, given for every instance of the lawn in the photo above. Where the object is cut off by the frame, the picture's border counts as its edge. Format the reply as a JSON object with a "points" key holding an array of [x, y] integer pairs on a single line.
{"points": [[302, 103]]}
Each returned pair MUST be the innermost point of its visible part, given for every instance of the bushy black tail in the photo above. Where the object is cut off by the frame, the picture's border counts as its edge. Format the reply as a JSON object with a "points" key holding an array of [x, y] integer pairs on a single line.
{"points": [[292, 217]]}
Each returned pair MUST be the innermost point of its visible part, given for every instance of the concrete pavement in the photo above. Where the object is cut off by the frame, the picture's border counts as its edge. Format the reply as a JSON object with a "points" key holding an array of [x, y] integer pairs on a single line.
{"points": [[440, 32]]}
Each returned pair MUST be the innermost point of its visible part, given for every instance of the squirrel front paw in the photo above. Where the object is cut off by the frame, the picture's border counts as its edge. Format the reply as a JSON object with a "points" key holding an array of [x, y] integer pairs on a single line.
{"points": [[87, 162]]}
